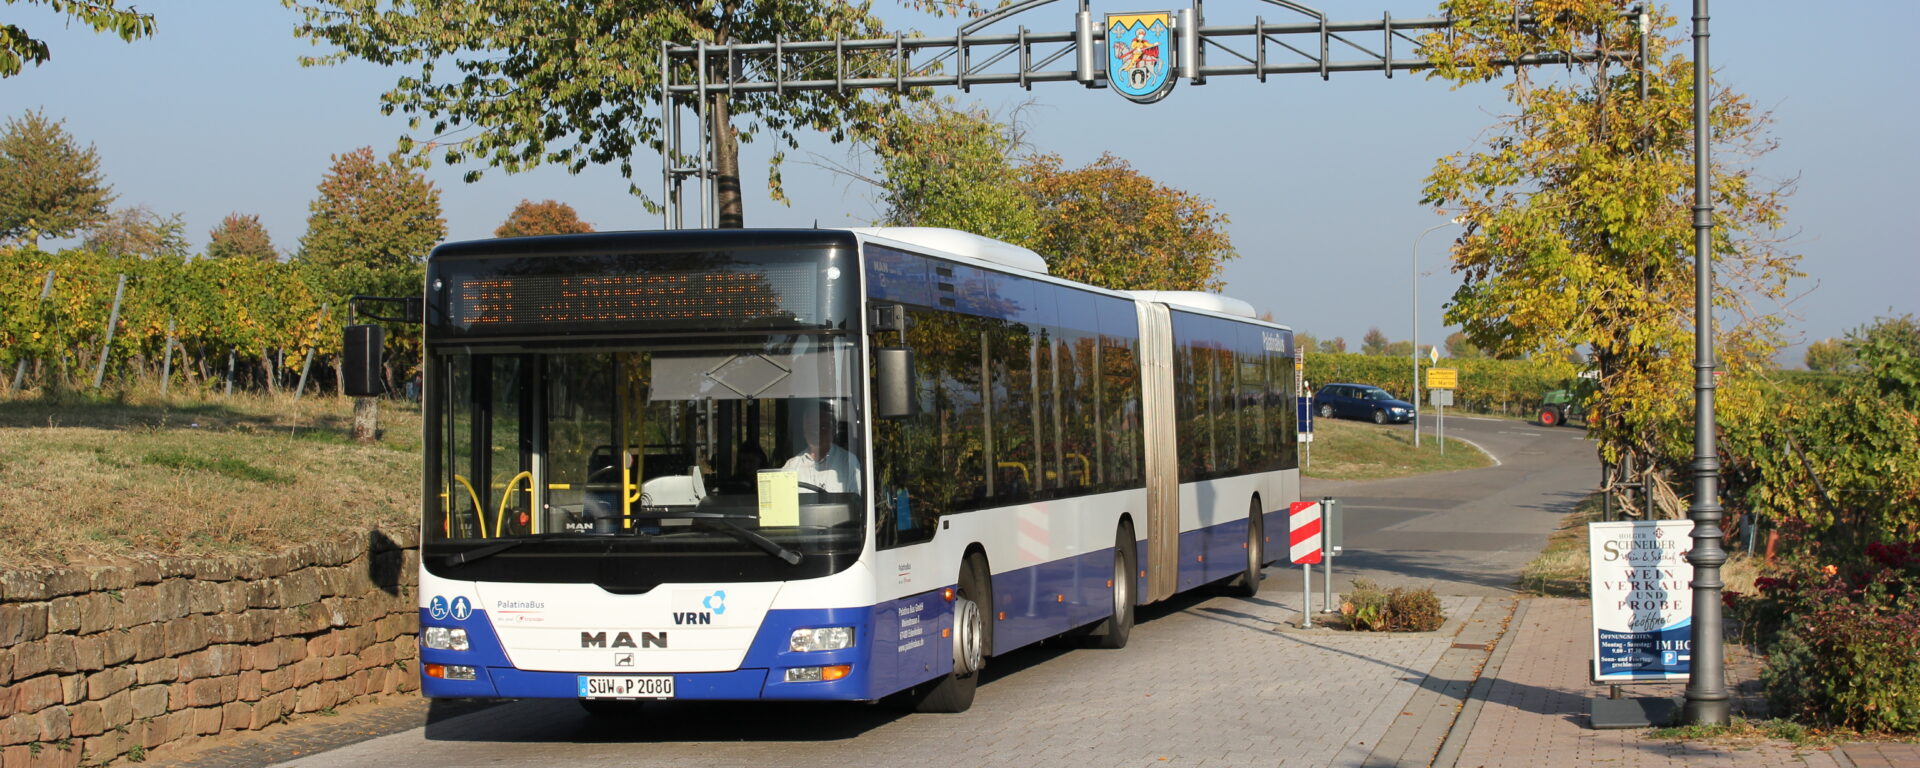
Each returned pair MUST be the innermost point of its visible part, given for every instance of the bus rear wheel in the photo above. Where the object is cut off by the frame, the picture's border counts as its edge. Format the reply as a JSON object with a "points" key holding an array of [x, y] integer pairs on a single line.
{"points": [[1113, 632], [1248, 584], [972, 600]]}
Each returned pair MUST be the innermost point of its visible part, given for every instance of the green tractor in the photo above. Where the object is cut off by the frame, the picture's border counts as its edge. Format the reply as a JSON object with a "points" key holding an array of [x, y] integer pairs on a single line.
{"points": [[1558, 408]]}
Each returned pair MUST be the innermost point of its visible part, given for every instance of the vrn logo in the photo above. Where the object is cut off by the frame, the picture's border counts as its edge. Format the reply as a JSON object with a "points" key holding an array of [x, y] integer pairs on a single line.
{"points": [[715, 605], [623, 640]]}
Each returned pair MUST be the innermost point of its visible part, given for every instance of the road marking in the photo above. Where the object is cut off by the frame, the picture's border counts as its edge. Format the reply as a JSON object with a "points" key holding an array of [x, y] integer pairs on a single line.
{"points": [[1476, 446]]}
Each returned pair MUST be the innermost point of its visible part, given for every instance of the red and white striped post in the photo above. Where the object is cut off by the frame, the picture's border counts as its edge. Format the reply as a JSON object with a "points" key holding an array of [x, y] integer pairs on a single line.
{"points": [[1304, 549]]}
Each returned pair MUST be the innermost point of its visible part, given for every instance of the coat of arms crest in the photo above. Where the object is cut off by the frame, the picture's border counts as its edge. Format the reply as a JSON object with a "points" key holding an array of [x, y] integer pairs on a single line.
{"points": [[1140, 55]]}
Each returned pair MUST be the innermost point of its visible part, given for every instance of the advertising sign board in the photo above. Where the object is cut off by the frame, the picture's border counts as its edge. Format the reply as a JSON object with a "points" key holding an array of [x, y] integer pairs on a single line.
{"points": [[1642, 587]]}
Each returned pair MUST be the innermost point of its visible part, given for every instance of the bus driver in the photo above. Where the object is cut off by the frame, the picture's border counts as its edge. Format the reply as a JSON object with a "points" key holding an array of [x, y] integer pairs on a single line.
{"points": [[824, 464]]}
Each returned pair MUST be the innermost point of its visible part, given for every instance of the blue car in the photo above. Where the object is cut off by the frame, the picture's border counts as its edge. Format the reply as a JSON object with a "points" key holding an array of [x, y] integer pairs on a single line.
{"points": [[1361, 401]]}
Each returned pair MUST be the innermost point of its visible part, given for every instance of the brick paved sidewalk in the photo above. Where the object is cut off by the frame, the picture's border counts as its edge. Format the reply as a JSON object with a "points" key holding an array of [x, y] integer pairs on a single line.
{"points": [[1535, 712]]}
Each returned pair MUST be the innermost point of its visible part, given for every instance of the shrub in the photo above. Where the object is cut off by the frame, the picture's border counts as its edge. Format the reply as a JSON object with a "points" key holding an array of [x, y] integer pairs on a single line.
{"points": [[1843, 639], [1399, 609]]}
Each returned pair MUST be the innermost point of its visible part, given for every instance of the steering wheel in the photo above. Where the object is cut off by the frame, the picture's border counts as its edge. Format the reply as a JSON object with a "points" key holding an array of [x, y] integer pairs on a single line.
{"points": [[812, 487]]}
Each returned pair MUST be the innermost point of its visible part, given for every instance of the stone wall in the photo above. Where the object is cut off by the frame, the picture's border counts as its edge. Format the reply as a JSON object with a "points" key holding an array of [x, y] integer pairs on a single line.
{"points": [[114, 662]]}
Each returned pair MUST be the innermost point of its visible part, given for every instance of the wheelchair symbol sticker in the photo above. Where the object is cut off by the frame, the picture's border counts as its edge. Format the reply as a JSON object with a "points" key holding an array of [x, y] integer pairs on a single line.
{"points": [[462, 609], [437, 607]]}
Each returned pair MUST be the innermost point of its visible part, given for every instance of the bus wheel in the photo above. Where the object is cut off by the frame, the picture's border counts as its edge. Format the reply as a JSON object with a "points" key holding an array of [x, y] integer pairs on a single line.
{"points": [[1113, 632], [1248, 584], [971, 640]]}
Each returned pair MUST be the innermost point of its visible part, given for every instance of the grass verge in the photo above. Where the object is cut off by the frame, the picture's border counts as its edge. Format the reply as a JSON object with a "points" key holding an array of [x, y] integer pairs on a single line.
{"points": [[101, 478], [1344, 450], [1561, 570], [1745, 731]]}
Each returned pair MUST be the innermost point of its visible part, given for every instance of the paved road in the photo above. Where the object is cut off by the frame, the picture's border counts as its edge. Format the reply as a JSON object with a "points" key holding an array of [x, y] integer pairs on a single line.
{"points": [[1468, 532], [1206, 680]]}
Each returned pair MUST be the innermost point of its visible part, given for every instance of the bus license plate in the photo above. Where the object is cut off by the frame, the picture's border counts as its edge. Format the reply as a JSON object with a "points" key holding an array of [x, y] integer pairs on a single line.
{"points": [[599, 687]]}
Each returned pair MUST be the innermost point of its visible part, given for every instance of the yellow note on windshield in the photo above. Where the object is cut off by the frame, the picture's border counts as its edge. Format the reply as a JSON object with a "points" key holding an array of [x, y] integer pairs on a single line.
{"points": [[779, 497]]}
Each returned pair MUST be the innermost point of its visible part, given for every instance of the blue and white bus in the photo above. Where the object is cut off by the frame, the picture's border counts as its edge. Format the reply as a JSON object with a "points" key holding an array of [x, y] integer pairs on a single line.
{"points": [[822, 464]]}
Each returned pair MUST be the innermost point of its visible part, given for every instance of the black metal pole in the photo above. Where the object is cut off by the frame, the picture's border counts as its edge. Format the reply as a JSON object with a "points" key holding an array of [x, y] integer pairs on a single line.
{"points": [[1707, 699]]}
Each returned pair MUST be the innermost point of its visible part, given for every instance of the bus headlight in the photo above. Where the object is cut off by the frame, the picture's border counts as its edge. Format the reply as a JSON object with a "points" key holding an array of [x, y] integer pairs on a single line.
{"points": [[818, 674], [821, 639], [444, 638]]}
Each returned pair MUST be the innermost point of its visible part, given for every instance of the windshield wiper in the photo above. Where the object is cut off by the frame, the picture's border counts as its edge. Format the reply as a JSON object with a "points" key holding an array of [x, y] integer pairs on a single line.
{"points": [[480, 553], [728, 523]]}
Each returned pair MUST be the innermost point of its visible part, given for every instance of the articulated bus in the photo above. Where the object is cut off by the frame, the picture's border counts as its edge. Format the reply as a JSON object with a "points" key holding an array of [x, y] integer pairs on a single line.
{"points": [[821, 464]]}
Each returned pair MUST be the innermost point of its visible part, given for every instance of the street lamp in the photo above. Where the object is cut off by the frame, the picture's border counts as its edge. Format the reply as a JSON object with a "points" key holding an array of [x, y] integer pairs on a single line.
{"points": [[1416, 322]]}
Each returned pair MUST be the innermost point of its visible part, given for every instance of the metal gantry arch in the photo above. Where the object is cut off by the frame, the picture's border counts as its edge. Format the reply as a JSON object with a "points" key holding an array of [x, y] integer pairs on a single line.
{"points": [[1306, 42]]}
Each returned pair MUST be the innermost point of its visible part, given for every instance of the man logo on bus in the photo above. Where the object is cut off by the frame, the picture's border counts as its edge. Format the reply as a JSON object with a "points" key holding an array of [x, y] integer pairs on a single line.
{"points": [[623, 640]]}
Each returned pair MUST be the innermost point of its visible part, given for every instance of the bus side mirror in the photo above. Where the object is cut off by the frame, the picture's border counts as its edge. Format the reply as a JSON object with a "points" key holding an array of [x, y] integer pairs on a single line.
{"points": [[361, 361], [893, 394]]}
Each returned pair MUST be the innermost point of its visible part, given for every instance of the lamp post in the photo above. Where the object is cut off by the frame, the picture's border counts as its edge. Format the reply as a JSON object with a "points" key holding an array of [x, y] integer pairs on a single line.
{"points": [[1707, 701], [1416, 326]]}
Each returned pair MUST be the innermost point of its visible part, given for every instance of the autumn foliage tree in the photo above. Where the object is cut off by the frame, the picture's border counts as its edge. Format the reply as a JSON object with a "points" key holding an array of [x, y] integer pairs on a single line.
{"points": [[1374, 343], [241, 235], [372, 214], [1112, 226], [139, 231], [1579, 215], [547, 217], [1104, 223], [18, 48], [50, 186]]}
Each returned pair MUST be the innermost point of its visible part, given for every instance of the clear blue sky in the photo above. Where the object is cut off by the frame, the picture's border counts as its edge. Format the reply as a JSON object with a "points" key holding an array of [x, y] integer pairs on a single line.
{"points": [[1321, 179]]}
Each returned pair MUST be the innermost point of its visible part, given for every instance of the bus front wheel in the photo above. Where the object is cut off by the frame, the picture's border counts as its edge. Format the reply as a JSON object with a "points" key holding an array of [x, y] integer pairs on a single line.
{"points": [[972, 601], [1113, 632]]}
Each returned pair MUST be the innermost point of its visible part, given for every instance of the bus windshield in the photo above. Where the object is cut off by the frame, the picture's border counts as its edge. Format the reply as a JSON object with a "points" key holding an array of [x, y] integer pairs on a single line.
{"points": [[744, 447]]}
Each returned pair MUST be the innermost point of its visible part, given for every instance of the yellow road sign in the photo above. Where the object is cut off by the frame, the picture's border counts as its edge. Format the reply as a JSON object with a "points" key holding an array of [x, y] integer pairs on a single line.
{"points": [[1443, 378]]}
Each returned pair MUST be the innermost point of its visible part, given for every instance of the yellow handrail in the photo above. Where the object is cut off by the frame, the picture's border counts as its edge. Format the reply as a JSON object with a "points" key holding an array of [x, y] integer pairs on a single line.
{"points": [[479, 510], [500, 516]]}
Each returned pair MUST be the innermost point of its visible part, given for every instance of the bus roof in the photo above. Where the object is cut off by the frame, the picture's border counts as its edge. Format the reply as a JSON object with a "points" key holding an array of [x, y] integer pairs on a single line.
{"points": [[959, 243]]}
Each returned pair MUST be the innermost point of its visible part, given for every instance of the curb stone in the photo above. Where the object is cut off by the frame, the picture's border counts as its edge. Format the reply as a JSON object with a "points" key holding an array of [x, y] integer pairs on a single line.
{"points": [[1449, 753]]}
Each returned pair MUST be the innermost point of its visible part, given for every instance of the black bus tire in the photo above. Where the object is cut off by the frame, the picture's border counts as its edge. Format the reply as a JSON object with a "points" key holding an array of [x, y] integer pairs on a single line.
{"points": [[1248, 584], [1113, 632], [972, 637]]}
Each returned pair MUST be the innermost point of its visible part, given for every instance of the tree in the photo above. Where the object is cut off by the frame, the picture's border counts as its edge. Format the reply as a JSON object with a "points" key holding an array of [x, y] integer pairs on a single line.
{"points": [[1829, 356], [1112, 226], [1375, 342], [576, 83], [17, 48], [139, 232], [49, 186], [1104, 223], [372, 214], [241, 236], [1301, 339], [1334, 346], [547, 217], [1458, 345], [948, 167], [1401, 348], [1579, 221]]}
